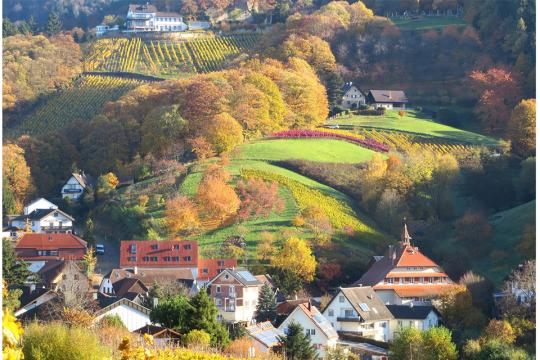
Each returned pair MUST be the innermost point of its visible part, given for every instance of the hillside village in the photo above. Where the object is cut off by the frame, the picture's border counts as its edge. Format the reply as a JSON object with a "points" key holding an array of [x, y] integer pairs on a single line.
{"points": [[269, 180]]}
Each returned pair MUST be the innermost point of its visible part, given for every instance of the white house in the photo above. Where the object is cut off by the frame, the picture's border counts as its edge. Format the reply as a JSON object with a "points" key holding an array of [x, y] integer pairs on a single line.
{"points": [[146, 18], [38, 204], [133, 316], [321, 332], [75, 186], [235, 293], [359, 310], [103, 29], [265, 337], [352, 97], [419, 317], [46, 221]]}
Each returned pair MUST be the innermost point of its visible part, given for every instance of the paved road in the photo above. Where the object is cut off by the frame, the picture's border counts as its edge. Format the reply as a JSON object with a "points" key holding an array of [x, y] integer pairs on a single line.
{"points": [[111, 258]]}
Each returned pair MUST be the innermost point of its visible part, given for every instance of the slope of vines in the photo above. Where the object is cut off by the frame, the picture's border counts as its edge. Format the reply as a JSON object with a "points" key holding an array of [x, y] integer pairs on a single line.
{"points": [[84, 99], [166, 57]]}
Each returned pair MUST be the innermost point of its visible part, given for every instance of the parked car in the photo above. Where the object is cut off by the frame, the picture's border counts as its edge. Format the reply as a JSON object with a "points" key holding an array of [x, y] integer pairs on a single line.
{"points": [[100, 249]]}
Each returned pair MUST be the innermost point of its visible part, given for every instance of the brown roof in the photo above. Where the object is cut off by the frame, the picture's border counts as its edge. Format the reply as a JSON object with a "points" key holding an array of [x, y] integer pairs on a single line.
{"points": [[50, 241], [287, 307], [142, 8], [149, 276], [374, 310], [376, 272], [84, 179], [265, 279], [389, 96], [169, 14], [129, 288]]}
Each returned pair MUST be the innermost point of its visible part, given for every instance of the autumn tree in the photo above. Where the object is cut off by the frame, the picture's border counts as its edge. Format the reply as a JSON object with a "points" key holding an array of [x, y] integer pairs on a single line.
{"points": [[434, 343], [522, 280], [259, 198], [522, 128], [458, 311], [296, 256], [181, 215], [201, 147], [15, 174], [265, 247], [223, 132], [215, 197], [473, 229], [499, 93], [161, 129]]}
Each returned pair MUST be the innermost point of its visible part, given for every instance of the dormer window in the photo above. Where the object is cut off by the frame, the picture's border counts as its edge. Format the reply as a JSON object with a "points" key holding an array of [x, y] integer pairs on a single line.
{"points": [[187, 247], [176, 247], [154, 247], [133, 249]]}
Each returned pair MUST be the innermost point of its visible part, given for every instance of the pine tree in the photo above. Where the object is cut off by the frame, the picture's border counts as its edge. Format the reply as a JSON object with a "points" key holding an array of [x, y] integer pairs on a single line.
{"points": [[266, 308], [32, 24], [13, 271], [54, 24], [8, 28], [296, 344], [203, 316]]}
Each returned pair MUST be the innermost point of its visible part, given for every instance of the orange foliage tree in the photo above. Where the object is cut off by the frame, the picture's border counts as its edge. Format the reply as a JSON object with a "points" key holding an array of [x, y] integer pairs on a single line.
{"points": [[259, 198], [181, 215]]}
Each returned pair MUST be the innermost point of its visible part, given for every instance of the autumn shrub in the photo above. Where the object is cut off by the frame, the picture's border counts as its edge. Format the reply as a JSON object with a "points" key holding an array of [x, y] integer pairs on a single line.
{"points": [[259, 198], [197, 339], [56, 341]]}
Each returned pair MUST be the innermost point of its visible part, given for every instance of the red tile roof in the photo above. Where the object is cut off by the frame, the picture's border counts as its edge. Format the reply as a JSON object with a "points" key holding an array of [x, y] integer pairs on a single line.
{"points": [[209, 268], [50, 241], [411, 256], [158, 254]]}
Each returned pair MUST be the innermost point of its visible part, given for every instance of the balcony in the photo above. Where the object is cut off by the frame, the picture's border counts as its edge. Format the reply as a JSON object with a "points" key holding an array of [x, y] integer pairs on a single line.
{"points": [[50, 229], [348, 319]]}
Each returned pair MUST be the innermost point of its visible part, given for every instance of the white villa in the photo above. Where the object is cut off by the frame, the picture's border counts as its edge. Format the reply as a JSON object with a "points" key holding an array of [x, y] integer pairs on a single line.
{"points": [[352, 97], [359, 310], [146, 18], [75, 186]]}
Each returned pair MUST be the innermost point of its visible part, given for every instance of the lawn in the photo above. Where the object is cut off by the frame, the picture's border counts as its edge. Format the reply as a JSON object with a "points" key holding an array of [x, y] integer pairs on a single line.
{"points": [[413, 122], [322, 150], [506, 233], [427, 23]]}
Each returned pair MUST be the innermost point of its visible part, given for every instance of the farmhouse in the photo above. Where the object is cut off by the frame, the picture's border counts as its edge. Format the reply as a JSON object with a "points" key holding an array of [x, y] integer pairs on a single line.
{"points": [[419, 317], [359, 310], [235, 293], [75, 186], [42, 247], [388, 99], [405, 275], [319, 329], [352, 97], [47, 221], [146, 18]]}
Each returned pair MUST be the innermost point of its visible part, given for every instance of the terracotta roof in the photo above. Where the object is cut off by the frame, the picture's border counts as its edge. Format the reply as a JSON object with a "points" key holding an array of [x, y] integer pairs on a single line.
{"points": [[424, 290], [389, 96], [50, 241], [287, 306], [366, 303], [411, 256], [158, 253], [209, 268], [320, 321]]}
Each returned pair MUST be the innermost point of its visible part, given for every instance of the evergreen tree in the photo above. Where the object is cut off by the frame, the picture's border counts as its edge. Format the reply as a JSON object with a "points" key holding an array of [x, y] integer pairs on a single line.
{"points": [[203, 316], [54, 24], [9, 205], [173, 313], [266, 308], [89, 232], [32, 24], [296, 344], [8, 28], [287, 281], [13, 271]]}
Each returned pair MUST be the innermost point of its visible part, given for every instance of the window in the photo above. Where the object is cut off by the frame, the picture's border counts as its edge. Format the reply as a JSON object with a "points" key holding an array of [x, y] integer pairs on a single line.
{"points": [[400, 323], [218, 302], [167, 258], [133, 249], [154, 247], [312, 331], [187, 258], [226, 276], [341, 299], [54, 252], [146, 258], [231, 290], [430, 280], [176, 247], [176, 258], [187, 247], [154, 258], [330, 312], [132, 258], [205, 271], [64, 276], [308, 332], [221, 263], [56, 214], [349, 313], [218, 289]]}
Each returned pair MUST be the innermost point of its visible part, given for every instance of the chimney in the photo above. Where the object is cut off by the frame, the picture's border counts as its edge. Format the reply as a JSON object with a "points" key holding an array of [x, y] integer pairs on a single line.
{"points": [[309, 305], [135, 270]]}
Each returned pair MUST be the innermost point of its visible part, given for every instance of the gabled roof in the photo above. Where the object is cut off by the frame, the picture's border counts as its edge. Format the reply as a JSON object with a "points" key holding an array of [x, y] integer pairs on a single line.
{"points": [[411, 312], [366, 303], [286, 307], [318, 319], [39, 199], [50, 241], [213, 267], [375, 273], [266, 279], [149, 276], [265, 333], [121, 302], [389, 96], [129, 288], [83, 179], [411, 256], [39, 214], [242, 275], [347, 86]]}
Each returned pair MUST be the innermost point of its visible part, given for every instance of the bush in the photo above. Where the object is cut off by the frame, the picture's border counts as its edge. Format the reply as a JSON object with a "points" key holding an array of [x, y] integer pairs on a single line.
{"points": [[58, 342], [197, 338]]}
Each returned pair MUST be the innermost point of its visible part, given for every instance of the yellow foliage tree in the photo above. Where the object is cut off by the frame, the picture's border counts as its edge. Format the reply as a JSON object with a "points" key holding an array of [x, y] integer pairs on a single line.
{"points": [[16, 173], [296, 256], [181, 215]]}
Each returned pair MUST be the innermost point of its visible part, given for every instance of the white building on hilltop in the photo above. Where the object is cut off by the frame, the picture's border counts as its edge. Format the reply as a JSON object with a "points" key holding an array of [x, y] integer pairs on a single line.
{"points": [[146, 18]]}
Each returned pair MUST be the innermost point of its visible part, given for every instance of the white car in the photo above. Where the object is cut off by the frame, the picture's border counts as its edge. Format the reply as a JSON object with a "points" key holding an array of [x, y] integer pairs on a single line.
{"points": [[100, 249], [334, 127]]}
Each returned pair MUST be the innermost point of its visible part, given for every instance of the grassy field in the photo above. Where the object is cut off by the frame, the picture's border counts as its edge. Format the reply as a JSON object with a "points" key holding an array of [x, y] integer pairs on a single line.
{"points": [[321, 150], [506, 233], [428, 23], [413, 122]]}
